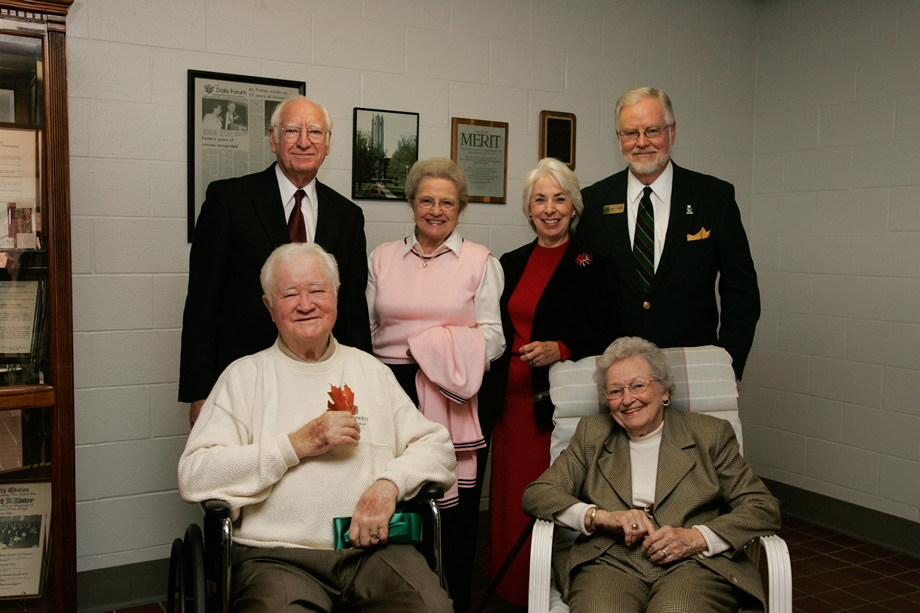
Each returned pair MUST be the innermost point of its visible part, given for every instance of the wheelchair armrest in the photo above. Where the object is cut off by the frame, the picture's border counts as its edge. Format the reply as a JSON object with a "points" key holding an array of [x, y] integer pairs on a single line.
{"points": [[217, 540], [429, 491], [215, 509]]}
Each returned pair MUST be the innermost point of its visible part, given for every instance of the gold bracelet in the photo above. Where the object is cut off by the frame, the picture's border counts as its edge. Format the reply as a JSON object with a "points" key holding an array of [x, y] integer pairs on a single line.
{"points": [[593, 513]]}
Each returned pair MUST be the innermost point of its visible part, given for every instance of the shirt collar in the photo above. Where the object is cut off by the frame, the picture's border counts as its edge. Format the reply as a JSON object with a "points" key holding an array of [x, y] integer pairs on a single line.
{"points": [[453, 242], [661, 186], [330, 349], [288, 189]]}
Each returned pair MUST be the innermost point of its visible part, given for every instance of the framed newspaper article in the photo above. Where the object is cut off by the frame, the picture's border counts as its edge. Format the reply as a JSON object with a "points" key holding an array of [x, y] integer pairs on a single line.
{"points": [[385, 147], [228, 118], [25, 520]]}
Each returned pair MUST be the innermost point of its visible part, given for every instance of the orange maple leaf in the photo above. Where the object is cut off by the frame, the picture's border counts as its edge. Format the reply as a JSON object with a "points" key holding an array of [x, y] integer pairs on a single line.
{"points": [[343, 399]]}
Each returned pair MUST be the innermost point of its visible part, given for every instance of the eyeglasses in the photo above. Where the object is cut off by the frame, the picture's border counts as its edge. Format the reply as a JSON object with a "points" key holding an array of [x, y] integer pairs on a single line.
{"points": [[428, 203], [635, 388], [629, 136], [314, 133]]}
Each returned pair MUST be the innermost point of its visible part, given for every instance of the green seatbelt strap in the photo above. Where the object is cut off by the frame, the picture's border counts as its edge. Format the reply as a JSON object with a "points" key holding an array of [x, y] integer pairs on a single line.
{"points": [[403, 528]]}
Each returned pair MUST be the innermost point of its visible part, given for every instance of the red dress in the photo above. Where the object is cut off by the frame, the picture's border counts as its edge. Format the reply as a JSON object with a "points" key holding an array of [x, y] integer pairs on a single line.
{"points": [[520, 450]]}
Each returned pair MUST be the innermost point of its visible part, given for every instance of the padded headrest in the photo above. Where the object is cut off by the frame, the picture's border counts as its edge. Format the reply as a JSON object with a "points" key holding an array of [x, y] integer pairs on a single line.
{"points": [[704, 382]]}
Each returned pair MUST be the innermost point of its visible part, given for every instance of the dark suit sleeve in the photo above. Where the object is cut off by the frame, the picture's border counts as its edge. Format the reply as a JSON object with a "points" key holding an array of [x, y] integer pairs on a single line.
{"points": [[210, 253], [353, 324], [738, 292], [340, 231]]}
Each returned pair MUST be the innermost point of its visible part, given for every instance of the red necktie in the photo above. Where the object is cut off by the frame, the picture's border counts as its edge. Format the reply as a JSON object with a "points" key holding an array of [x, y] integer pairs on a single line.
{"points": [[296, 227]]}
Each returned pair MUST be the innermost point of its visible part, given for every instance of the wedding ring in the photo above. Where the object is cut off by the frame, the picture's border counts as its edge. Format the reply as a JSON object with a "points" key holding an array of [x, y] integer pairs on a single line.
{"points": [[664, 552], [635, 526], [375, 536]]}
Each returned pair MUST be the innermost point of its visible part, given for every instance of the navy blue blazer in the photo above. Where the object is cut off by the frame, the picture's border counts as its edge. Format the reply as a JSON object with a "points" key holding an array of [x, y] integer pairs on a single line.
{"points": [[241, 222], [705, 241]]}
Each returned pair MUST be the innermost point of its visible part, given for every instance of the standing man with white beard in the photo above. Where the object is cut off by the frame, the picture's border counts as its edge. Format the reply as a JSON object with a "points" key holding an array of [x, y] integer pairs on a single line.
{"points": [[673, 233]]}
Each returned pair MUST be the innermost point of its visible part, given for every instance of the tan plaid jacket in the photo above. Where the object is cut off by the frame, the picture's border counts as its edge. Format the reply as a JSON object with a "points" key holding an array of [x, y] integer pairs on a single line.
{"points": [[702, 479]]}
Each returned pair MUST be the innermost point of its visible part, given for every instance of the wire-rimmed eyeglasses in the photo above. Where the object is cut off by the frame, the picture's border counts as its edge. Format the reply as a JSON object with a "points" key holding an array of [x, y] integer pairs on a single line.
{"points": [[635, 388]]}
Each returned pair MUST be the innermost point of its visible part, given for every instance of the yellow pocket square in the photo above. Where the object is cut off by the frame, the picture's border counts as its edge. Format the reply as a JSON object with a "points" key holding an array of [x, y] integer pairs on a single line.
{"points": [[703, 233]]}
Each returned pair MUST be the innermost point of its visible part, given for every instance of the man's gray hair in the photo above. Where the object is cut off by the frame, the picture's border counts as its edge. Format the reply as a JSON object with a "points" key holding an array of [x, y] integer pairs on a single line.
{"points": [[635, 95], [630, 347], [294, 251], [560, 173], [276, 115]]}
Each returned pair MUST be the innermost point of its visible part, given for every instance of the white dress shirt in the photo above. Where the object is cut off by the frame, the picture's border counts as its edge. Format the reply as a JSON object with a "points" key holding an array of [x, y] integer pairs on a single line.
{"points": [[308, 207], [661, 203]]}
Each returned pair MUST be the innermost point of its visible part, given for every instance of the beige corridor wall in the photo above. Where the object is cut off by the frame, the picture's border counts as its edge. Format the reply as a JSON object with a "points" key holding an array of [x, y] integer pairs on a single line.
{"points": [[760, 101]]}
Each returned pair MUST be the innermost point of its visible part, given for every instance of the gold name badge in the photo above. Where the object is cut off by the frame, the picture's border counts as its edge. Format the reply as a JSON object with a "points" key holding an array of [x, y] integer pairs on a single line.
{"points": [[613, 209]]}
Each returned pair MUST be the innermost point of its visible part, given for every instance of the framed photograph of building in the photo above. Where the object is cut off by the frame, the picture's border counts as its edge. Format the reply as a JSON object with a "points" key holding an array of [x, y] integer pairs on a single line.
{"points": [[385, 147], [480, 148], [557, 137], [228, 119]]}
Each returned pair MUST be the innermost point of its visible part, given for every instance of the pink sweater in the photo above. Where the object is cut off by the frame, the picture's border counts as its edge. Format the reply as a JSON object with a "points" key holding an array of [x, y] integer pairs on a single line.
{"points": [[410, 298]]}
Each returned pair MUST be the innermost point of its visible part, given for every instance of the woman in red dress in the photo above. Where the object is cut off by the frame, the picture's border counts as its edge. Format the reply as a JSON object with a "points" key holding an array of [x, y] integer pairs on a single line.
{"points": [[558, 304]]}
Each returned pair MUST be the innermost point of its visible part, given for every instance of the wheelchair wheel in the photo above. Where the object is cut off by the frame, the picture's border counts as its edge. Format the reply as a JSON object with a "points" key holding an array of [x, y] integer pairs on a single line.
{"points": [[193, 595], [175, 591]]}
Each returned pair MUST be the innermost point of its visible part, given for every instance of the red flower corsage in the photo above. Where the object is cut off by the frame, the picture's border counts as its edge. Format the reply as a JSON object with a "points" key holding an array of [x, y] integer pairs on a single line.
{"points": [[583, 259]]}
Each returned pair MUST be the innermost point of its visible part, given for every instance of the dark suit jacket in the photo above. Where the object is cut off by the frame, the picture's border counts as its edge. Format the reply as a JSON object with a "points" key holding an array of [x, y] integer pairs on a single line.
{"points": [[680, 309], [702, 480], [577, 307], [240, 224]]}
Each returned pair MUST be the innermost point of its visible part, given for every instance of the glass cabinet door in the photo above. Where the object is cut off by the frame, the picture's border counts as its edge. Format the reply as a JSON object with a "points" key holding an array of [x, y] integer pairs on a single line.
{"points": [[23, 258]]}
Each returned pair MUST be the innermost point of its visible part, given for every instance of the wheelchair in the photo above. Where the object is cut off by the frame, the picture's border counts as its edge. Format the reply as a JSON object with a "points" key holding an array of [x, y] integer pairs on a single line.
{"points": [[199, 563]]}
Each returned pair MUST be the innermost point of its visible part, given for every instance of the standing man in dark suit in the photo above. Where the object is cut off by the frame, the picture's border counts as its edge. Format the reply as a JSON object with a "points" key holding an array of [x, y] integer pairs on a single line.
{"points": [[689, 234], [241, 222]]}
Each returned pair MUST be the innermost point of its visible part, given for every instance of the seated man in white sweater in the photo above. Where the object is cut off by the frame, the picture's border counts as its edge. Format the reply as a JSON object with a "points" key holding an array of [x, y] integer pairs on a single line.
{"points": [[287, 465]]}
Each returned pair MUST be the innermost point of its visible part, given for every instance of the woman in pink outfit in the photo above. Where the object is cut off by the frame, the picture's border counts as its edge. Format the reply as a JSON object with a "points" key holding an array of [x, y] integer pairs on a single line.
{"points": [[437, 293]]}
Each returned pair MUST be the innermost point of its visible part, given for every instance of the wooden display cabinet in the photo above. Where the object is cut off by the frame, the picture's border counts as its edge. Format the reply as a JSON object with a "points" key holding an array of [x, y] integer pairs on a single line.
{"points": [[36, 319]]}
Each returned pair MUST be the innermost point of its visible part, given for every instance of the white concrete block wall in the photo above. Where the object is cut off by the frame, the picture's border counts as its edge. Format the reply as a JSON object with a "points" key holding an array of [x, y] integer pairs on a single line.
{"points": [[835, 233], [753, 114]]}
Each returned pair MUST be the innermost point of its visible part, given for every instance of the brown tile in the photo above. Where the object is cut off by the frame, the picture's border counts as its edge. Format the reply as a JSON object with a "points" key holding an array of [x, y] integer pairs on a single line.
{"points": [[870, 607], [844, 540], [868, 591], [853, 556], [901, 605], [842, 599], [902, 559], [895, 586], [822, 546], [876, 551], [813, 604], [859, 574]]}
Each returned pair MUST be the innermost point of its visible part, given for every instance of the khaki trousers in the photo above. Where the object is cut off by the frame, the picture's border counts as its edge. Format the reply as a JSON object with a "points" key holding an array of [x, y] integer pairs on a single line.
{"points": [[605, 585], [389, 578]]}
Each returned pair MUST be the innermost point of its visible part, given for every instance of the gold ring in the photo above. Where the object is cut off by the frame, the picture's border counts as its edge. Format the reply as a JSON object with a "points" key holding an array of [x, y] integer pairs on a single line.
{"points": [[375, 536], [635, 526]]}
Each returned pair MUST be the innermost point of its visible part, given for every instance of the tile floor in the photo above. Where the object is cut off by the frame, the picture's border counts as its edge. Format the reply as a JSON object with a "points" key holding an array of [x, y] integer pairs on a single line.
{"points": [[830, 572]]}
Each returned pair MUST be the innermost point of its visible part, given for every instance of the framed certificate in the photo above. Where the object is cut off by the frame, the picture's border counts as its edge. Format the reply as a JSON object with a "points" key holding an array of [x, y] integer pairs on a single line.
{"points": [[480, 149]]}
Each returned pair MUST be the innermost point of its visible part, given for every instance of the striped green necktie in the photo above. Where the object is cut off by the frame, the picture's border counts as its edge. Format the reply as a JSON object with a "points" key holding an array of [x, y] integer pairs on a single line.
{"points": [[644, 240]]}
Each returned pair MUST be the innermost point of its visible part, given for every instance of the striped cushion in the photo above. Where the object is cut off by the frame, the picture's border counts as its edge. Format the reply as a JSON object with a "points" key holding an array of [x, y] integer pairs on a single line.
{"points": [[704, 382]]}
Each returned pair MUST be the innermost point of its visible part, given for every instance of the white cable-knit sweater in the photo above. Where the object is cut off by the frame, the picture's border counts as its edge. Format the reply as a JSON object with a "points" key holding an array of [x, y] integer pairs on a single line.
{"points": [[239, 449]]}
